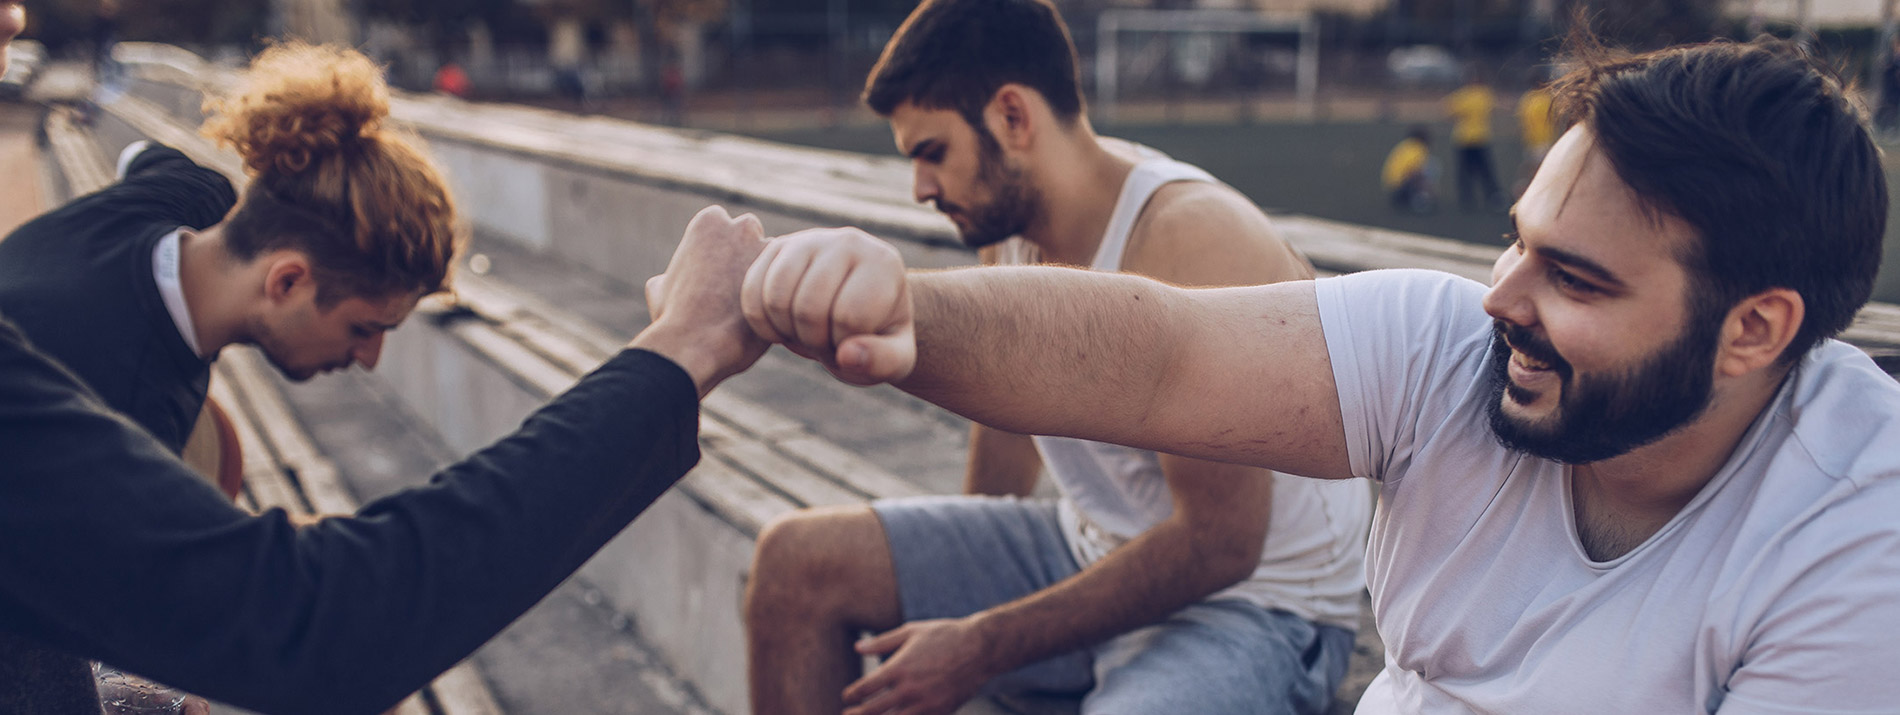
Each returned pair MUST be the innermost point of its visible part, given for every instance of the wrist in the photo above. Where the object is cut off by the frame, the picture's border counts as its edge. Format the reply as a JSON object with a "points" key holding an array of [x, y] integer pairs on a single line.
{"points": [[988, 629], [693, 351]]}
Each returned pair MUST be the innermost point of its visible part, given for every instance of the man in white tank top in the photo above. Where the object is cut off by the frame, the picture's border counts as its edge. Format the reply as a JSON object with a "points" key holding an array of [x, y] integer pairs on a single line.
{"points": [[1155, 583]]}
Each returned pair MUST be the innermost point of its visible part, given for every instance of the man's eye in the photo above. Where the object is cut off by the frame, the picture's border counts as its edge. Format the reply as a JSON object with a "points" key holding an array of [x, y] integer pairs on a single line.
{"points": [[1570, 282]]}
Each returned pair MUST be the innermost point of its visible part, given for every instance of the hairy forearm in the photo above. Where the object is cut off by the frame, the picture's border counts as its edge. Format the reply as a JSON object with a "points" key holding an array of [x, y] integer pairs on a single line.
{"points": [[1161, 571], [1043, 350]]}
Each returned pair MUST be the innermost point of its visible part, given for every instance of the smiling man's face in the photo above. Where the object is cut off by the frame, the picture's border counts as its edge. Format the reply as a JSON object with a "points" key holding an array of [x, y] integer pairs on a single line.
{"points": [[1598, 350]]}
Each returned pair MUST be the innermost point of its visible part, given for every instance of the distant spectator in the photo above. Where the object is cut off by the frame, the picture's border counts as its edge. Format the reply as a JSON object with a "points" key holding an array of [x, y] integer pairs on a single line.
{"points": [[1538, 130], [105, 33], [452, 80], [1470, 109], [569, 82], [672, 95], [1409, 174], [108, 77]]}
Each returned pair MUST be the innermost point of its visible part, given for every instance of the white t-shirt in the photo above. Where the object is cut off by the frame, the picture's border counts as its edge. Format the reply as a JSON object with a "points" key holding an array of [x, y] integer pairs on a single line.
{"points": [[1776, 589]]}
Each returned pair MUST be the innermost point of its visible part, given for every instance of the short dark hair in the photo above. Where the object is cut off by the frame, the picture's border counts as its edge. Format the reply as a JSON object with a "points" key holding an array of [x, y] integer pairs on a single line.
{"points": [[1757, 147], [955, 54]]}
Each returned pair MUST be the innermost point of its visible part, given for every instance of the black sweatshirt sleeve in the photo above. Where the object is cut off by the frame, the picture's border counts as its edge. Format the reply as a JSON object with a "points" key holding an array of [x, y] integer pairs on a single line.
{"points": [[163, 183], [111, 549]]}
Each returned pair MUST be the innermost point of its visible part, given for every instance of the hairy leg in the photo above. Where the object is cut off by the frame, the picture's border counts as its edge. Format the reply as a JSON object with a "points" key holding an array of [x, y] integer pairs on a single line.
{"points": [[819, 578]]}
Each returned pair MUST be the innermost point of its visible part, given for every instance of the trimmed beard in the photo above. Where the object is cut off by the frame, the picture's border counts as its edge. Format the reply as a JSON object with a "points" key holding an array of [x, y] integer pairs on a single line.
{"points": [[1599, 417], [1012, 203]]}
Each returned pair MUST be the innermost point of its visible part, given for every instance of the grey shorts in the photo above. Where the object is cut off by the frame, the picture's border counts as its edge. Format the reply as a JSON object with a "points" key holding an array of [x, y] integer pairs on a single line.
{"points": [[956, 555]]}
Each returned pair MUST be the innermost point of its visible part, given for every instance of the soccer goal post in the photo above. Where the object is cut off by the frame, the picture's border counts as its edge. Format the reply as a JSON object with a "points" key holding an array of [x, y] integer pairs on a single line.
{"points": [[1113, 24]]}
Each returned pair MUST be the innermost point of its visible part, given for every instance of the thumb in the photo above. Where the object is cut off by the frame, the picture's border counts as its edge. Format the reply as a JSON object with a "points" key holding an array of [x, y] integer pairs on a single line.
{"points": [[885, 642], [871, 359]]}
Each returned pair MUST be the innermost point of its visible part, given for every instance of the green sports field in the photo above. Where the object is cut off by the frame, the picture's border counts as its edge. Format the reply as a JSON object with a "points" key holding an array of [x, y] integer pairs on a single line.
{"points": [[1329, 170]]}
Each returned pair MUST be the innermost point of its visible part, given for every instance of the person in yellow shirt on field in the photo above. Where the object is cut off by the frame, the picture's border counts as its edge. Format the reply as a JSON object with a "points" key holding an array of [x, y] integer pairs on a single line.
{"points": [[1470, 109], [1408, 174], [1537, 128]]}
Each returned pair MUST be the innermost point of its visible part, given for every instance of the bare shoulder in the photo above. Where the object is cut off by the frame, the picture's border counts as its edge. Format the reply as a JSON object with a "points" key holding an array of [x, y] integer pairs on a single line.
{"points": [[1201, 234]]}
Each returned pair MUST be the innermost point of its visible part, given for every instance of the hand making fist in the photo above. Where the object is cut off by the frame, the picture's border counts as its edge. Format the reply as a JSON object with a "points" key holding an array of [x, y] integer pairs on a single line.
{"points": [[837, 296]]}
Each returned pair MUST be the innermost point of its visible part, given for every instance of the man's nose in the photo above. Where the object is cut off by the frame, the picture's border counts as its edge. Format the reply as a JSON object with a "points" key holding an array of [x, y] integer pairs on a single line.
{"points": [[369, 352], [923, 184], [1509, 297]]}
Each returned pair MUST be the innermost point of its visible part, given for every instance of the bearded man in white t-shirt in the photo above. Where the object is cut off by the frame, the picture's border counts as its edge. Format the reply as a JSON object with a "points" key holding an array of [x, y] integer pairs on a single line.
{"points": [[1153, 582], [1636, 474]]}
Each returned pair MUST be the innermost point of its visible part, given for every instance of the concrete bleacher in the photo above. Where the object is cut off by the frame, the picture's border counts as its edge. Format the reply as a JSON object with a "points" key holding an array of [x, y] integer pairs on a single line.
{"points": [[608, 199]]}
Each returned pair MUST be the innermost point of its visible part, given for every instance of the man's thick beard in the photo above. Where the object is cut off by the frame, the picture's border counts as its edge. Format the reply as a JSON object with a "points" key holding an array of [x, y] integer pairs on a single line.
{"points": [[1012, 204], [1602, 417]]}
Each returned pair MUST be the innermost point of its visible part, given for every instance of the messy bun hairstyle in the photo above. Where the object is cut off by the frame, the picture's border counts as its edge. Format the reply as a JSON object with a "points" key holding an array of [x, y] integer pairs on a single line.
{"points": [[330, 178]]}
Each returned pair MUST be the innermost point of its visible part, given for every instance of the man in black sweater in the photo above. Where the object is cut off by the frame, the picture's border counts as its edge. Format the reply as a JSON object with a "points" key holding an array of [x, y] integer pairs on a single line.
{"points": [[111, 549], [83, 283]]}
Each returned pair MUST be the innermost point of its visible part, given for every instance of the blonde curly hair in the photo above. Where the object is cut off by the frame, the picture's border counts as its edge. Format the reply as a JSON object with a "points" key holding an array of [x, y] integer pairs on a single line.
{"points": [[330, 177]]}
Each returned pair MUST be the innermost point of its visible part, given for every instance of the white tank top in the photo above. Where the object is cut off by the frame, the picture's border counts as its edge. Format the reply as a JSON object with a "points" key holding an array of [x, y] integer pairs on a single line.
{"points": [[1313, 563]]}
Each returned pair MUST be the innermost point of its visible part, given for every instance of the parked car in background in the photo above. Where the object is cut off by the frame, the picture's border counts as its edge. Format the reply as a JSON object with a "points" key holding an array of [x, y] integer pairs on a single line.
{"points": [[1423, 66], [24, 58]]}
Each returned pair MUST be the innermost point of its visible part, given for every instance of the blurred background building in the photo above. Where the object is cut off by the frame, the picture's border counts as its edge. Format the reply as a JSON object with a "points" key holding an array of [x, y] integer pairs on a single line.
{"points": [[1268, 94], [775, 49]]}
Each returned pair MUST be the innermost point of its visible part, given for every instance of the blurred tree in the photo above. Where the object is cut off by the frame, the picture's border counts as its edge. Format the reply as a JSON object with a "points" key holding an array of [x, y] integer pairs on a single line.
{"points": [[198, 23], [193, 22], [668, 13]]}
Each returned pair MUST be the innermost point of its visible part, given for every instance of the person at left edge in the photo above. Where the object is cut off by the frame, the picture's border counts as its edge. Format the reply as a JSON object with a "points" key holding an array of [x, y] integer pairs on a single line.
{"points": [[344, 226], [137, 287]]}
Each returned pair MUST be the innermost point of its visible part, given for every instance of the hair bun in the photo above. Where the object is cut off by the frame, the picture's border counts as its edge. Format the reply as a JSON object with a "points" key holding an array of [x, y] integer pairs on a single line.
{"points": [[297, 104]]}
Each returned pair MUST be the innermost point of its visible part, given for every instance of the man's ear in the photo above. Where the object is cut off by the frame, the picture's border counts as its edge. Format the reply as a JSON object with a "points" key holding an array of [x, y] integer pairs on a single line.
{"points": [[1757, 330], [1010, 118], [288, 273]]}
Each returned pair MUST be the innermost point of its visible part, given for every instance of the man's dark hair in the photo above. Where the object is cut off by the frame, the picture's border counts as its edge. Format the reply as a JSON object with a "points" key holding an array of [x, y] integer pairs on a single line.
{"points": [[955, 54], [1758, 148]]}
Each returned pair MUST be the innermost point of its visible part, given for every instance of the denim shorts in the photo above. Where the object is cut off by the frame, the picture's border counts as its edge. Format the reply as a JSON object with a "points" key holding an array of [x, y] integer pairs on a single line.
{"points": [[956, 555]]}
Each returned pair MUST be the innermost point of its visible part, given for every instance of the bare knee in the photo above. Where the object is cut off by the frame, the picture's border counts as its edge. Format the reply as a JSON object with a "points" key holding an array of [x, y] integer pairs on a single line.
{"points": [[828, 564]]}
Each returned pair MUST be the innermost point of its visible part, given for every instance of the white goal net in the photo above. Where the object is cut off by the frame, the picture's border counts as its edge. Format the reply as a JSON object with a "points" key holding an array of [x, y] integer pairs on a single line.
{"points": [[1156, 51]]}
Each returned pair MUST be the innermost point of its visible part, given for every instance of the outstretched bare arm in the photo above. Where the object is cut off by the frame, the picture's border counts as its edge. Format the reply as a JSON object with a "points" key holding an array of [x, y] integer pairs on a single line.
{"points": [[1231, 374]]}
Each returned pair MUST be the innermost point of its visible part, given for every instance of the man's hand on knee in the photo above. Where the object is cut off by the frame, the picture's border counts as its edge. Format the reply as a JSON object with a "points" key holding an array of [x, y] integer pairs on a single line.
{"points": [[933, 667]]}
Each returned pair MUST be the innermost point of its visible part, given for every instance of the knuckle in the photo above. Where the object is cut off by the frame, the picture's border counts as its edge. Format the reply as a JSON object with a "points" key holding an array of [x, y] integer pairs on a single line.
{"points": [[809, 321]]}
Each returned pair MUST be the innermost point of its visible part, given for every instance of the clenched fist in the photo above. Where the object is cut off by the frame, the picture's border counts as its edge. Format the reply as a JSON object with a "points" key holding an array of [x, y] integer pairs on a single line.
{"points": [[837, 296], [695, 304]]}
